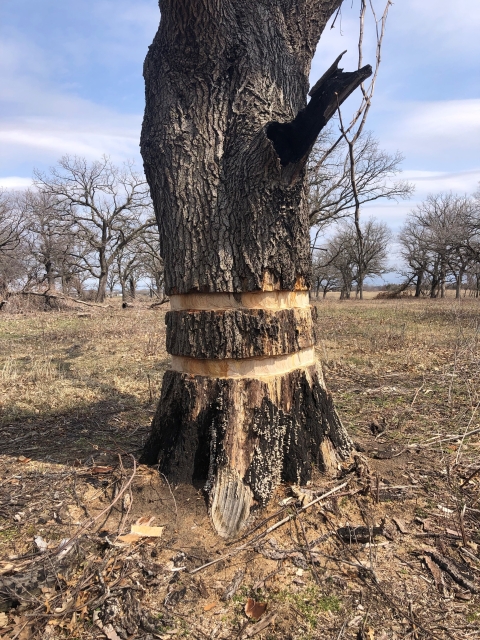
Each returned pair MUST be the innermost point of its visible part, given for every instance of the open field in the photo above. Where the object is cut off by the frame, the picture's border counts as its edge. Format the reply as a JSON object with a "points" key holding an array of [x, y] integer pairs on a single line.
{"points": [[77, 394]]}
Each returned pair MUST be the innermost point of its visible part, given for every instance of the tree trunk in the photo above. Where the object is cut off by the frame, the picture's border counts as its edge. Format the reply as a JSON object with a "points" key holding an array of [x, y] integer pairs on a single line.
{"points": [[50, 275], [418, 288], [132, 287], [225, 140], [102, 288]]}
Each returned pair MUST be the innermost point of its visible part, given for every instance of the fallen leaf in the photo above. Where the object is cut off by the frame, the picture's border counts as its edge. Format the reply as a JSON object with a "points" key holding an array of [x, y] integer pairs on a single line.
{"points": [[23, 459], [42, 544], [6, 568], [355, 621], [209, 606], [254, 609], [3, 620], [146, 531], [110, 632], [101, 469]]}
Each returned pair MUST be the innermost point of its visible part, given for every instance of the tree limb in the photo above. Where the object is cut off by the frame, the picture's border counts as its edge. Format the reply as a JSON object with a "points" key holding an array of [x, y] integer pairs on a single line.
{"points": [[294, 140]]}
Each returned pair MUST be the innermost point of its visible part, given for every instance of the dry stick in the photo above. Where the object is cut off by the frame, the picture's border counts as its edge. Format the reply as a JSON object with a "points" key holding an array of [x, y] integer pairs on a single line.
{"points": [[173, 497], [438, 439], [470, 477], [309, 551], [90, 522], [53, 295], [270, 529], [457, 457], [129, 506], [418, 391]]}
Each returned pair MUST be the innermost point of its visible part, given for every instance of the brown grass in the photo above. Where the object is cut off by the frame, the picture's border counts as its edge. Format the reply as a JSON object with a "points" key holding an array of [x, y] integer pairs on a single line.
{"points": [[79, 389]]}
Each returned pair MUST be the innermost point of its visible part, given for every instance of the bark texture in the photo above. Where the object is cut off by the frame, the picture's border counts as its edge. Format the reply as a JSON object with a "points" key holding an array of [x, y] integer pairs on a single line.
{"points": [[240, 438], [219, 74], [239, 333], [226, 135]]}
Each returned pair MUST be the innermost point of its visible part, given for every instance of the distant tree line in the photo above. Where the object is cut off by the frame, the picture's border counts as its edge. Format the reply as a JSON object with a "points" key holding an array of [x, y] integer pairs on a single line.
{"points": [[83, 225], [88, 229], [439, 247]]}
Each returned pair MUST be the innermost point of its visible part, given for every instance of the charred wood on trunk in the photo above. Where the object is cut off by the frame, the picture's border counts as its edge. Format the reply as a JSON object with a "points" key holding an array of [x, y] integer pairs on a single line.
{"points": [[241, 438]]}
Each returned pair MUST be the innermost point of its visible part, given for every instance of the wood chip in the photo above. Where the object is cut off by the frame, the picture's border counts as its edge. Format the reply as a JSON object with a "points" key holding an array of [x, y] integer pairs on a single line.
{"points": [[146, 531], [210, 606], [451, 568], [400, 525], [100, 469], [435, 571], [232, 588], [129, 538], [260, 626]]}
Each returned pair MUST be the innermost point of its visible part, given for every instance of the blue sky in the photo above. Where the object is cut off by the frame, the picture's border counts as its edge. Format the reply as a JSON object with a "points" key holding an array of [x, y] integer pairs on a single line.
{"points": [[71, 75]]}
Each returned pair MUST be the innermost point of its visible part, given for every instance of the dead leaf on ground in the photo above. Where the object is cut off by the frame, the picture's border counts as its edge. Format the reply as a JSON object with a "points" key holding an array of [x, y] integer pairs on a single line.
{"points": [[145, 520], [23, 459], [209, 606], [110, 632], [255, 610], [6, 568], [3, 620], [100, 469], [400, 525]]}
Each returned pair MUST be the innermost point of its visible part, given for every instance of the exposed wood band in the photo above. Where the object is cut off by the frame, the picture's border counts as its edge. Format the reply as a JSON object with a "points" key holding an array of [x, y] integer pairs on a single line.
{"points": [[267, 300], [239, 333], [246, 367]]}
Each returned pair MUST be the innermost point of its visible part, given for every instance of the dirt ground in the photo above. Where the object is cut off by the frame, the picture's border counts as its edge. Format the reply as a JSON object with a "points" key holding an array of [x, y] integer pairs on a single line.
{"points": [[391, 553]]}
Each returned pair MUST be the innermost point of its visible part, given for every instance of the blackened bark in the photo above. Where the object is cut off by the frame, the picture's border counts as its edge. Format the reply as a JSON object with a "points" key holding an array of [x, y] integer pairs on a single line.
{"points": [[282, 426]]}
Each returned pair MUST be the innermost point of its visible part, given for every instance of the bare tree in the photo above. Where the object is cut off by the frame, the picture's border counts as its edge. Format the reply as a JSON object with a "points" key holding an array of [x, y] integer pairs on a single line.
{"points": [[415, 252], [12, 264], [151, 264], [107, 207], [47, 235], [325, 275], [128, 268], [331, 191], [438, 241], [355, 264]]}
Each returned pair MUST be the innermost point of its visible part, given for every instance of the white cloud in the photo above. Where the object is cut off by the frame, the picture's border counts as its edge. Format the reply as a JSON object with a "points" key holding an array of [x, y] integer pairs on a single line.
{"points": [[15, 182], [442, 134]]}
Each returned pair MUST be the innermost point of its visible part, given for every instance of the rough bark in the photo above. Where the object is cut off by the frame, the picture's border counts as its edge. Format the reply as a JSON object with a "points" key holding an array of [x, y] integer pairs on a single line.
{"points": [[225, 139], [238, 333], [240, 438]]}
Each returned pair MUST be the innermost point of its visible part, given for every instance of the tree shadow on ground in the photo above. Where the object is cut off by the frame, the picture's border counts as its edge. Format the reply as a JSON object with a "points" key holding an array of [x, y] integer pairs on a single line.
{"points": [[94, 433]]}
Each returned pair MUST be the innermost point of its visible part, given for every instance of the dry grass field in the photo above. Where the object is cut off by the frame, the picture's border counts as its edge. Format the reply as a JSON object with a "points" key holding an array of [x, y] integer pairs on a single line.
{"points": [[77, 394]]}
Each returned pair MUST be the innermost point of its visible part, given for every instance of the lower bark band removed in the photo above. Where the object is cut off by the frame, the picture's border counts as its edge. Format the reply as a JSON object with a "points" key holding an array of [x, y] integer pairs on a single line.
{"points": [[245, 367]]}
